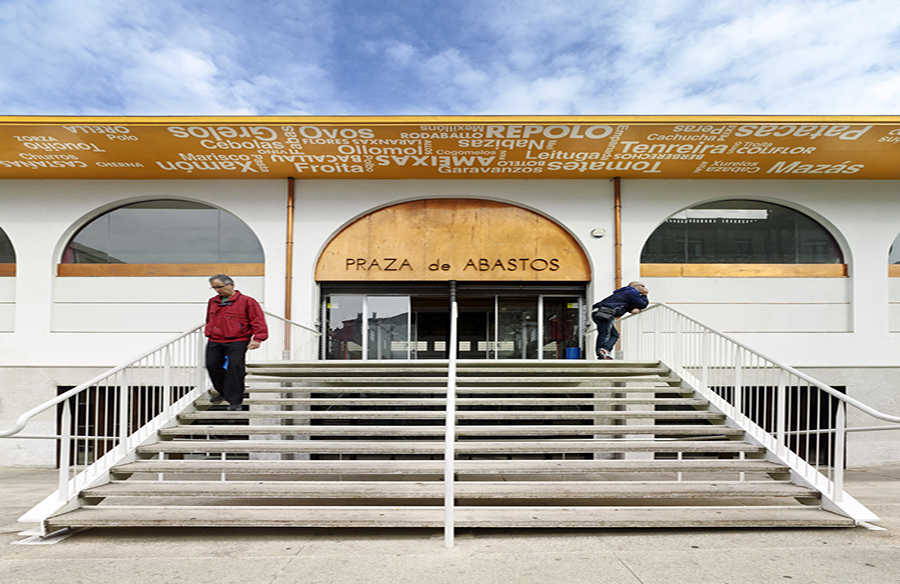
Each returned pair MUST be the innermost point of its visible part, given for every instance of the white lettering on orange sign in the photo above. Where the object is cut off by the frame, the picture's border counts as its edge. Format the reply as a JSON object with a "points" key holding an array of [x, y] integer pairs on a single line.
{"points": [[811, 132]]}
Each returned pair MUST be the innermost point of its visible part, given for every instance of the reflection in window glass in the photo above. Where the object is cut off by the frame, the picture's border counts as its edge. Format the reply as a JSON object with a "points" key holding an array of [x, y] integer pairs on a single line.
{"points": [[344, 316], [741, 232], [7, 253], [388, 324], [164, 232], [561, 318], [517, 325], [894, 254]]}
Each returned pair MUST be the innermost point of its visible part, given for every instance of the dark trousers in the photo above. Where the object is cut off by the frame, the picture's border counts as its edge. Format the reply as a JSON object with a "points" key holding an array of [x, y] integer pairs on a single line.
{"points": [[607, 334], [228, 382]]}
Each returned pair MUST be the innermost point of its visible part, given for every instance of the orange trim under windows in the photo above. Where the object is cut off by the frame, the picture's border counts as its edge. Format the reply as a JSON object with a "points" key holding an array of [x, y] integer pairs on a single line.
{"points": [[157, 270], [744, 270], [7, 270], [894, 271]]}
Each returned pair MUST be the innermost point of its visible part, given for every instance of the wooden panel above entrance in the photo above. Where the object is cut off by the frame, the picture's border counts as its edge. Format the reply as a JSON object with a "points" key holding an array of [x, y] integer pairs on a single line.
{"points": [[453, 239]]}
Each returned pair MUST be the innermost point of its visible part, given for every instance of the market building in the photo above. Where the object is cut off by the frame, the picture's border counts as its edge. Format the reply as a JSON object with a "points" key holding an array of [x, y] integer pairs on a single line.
{"points": [[779, 231]]}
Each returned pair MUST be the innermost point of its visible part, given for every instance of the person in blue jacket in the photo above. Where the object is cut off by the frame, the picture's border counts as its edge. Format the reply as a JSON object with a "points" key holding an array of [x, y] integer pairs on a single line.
{"points": [[631, 298]]}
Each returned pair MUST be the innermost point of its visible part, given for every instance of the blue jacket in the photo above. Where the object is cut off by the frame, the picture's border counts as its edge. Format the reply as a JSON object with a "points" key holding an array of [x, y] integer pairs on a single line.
{"points": [[624, 300]]}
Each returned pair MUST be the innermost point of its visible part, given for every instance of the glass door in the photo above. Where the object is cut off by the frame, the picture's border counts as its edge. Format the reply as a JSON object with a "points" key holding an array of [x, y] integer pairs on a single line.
{"points": [[367, 327], [562, 333], [494, 326], [343, 336], [476, 320], [387, 327], [516, 333]]}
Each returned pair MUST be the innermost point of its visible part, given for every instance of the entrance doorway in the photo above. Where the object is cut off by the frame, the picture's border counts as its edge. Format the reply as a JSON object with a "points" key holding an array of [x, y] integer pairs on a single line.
{"points": [[536, 323]]}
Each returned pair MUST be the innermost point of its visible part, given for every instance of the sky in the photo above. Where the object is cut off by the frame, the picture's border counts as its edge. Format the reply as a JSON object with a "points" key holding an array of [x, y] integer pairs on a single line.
{"points": [[449, 57]]}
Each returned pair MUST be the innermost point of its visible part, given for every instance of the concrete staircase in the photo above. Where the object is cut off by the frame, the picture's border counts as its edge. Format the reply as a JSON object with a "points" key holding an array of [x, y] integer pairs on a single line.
{"points": [[539, 444]]}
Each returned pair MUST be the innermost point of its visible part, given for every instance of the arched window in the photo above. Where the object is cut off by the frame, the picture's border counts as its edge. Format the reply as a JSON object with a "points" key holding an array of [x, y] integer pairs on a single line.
{"points": [[164, 232], [894, 258], [743, 232], [7, 256]]}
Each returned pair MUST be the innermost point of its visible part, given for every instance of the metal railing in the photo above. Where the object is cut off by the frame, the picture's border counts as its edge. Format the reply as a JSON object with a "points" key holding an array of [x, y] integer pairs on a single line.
{"points": [[288, 341], [99, 423], [450, 432], [800, 420]]}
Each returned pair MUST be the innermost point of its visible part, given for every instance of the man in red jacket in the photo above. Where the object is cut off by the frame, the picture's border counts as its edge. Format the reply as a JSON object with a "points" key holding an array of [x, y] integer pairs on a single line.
{"points": [[234, 323]]}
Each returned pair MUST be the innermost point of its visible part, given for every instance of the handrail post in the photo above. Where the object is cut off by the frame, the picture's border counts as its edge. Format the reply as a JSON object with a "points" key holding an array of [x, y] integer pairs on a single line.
{"points": [[781, 416], [201, 359], [705, 358], [738, 396], [678, 349], [124, 389], [840, 444], [656, 340], [450, 433], [65, 451], [167, 380]]}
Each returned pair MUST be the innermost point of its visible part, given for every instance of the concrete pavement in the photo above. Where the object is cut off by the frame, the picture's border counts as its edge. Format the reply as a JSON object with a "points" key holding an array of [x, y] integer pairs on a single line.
{"points": [[327, 556]]}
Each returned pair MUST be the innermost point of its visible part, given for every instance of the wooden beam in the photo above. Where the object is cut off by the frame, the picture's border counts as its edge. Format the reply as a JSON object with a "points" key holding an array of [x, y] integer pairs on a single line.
{"points": [[156, 270], [744, 270]]}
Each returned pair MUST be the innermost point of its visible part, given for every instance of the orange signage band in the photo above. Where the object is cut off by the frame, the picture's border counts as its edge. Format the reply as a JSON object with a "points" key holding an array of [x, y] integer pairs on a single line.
{"points": [[403, 147]]}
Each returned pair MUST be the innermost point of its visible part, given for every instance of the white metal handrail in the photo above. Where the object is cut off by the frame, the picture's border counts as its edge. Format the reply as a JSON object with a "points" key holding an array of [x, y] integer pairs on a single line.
{"points": [[104, 419], [302, 340], [450, 432], [292, 323], [23, 419], [800, 420]]}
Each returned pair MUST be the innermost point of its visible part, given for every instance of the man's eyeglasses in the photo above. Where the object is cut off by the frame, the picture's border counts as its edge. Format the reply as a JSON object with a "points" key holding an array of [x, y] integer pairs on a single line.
{"points": [[220, 287]]}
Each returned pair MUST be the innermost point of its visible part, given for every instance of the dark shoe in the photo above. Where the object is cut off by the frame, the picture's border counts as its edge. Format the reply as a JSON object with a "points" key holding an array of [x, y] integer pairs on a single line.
{"points": [[234, 408], [218, 399]]}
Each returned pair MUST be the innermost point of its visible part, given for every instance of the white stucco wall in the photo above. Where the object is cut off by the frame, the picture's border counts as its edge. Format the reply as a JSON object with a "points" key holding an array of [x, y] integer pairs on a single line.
{"points": [[49, 322], [104, 321]]}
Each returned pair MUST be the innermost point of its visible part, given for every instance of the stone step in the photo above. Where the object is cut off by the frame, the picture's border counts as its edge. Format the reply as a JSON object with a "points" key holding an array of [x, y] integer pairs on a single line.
{"points": [[323, 370], [284, 375], [436, 467], [438, 430], [534, 468], [548, 490], [436, 447], [466, 401], [441, 390], [569, 380], [432, 516], [357, 369], [375, 415], [466, 381], [565, 364]]}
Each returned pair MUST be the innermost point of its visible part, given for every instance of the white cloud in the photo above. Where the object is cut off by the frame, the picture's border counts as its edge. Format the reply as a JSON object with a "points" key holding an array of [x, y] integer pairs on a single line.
{"points": [[449, 57], [402, 54], [165, 57]]}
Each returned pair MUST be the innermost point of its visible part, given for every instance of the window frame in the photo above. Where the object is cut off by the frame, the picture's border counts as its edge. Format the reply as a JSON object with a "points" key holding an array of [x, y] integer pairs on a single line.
{"points": [[157, 269], [745, 269]]}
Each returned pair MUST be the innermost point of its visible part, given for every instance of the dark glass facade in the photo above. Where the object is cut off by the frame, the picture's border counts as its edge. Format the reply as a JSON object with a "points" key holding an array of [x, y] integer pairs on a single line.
{"points": [[164, 232], [741, 232], [7, 253]]}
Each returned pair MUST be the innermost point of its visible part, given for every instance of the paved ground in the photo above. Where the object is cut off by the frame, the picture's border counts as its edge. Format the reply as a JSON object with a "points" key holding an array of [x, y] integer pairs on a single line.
{"points": [[309, 556]]}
